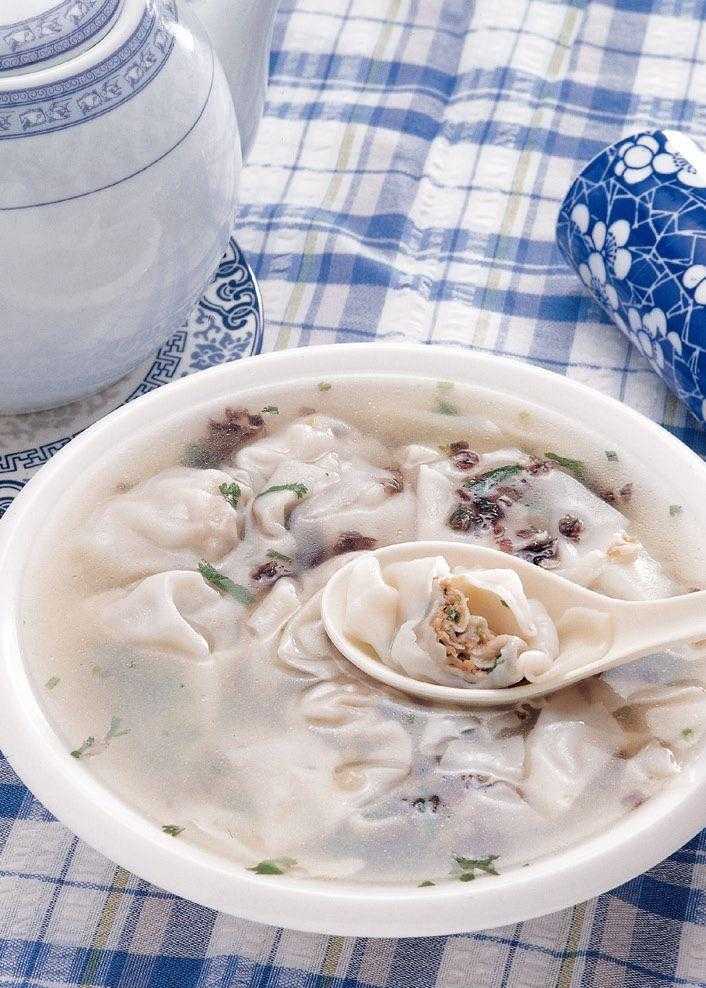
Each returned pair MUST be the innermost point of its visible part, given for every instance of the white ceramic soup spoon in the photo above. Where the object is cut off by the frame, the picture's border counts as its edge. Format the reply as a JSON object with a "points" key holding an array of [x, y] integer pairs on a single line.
{"points": [[597, 633]]}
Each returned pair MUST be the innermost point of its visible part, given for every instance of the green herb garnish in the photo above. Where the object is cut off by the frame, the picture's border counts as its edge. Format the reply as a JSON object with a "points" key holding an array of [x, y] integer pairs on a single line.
{"points": [[52, 682], [487, 481], [84, 748], [224, 583], [231, 492], [687, 733], [444, 407], [471, 866], [445, 387], [452, 614], [611, 455], [324, 386], [425, 885], [91, 746], [299, 489], [273, 554], [573, 466], [270, 410], [675, 509], [172, 829], [114, 729], [273, 867]]}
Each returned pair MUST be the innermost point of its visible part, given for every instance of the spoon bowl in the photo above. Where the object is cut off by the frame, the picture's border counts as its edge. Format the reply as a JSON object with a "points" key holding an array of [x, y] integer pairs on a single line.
{"points": [[596, 632]]}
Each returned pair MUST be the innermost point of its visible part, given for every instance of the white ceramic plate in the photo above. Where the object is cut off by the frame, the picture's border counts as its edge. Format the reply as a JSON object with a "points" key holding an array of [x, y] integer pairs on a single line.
{"points": [[637, 842]]}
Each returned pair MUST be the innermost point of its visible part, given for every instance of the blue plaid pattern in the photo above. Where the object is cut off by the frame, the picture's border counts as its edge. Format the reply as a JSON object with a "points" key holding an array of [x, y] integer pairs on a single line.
{"points": [[405, 184]]}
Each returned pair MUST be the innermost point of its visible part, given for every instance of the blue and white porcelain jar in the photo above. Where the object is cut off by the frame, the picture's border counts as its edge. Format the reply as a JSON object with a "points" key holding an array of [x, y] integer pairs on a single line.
{"points": [[119, 165], [633, 226]]}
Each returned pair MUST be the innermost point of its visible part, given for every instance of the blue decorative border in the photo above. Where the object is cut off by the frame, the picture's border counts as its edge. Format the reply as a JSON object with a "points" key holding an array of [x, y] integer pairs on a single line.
{"points": [[98, 90], [226, 324], [49, 34]]}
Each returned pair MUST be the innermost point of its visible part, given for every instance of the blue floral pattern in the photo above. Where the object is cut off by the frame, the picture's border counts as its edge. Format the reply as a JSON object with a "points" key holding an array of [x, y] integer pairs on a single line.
{"points": [[633, 226], [225, 325]]}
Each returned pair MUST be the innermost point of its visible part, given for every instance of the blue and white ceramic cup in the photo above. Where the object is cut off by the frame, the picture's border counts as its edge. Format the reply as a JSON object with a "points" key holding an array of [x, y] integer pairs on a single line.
{"points": [[633, 226]]}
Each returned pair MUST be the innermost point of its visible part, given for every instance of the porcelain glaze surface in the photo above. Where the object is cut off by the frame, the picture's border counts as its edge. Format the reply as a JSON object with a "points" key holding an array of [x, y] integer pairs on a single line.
{"points": [[100, 89], [225, 325], [633, 226], [51, 31], [138, 223]]}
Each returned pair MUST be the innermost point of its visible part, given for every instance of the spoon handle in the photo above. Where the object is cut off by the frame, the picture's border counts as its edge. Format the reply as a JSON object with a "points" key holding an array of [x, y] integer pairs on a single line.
{"points": [[644, 626]]}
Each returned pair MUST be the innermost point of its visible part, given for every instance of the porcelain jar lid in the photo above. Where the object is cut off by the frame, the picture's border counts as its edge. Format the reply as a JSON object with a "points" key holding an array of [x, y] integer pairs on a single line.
{"points": [[39, 33]]}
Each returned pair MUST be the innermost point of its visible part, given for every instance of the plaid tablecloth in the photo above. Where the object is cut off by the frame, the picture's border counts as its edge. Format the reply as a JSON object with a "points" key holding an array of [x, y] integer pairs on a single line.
{"points": [[405, 184]]}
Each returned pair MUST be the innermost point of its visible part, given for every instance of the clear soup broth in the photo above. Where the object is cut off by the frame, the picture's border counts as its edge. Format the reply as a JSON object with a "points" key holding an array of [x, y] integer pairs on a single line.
{"points": [[172, 612]]}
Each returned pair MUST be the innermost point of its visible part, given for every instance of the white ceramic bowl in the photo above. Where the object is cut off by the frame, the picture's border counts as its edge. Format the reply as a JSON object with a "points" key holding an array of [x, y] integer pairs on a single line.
{"points": [[627, 848]]}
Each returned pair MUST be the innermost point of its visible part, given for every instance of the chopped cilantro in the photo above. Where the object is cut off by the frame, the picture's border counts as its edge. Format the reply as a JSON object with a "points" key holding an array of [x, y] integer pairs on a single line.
{"points": [[452, 614], [444, 407], [172, 829], [273, 867], [687, 733], [573, 466], [611, 455], [324, 386], [52, 682], [471, 866], [299, 489], [231, 492], [273, 554], [483, 484], [675, 509], [425, 885], [270, 410], [114, 729], [84, 748], [93, 747], [224, 583]]}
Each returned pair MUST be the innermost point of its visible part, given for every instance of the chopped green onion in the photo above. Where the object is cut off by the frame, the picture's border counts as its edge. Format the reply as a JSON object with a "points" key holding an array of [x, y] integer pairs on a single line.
{"points": [[273, 554], [484, 483], [299, 489], [444, 407], [573, 466], [273, 867], [223, 583]]}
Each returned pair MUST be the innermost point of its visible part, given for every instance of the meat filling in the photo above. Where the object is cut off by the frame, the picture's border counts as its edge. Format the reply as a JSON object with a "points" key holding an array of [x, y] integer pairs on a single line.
{"points": [[470, 644]]}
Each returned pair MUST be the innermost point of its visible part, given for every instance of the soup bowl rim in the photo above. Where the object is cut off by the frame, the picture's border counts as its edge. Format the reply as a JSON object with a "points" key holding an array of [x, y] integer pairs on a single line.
{"points": [[636, 842]]}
